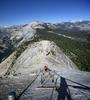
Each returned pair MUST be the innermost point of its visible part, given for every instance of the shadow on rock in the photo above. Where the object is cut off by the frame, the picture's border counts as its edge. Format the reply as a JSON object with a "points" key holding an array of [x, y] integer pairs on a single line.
{"points": [[63, 90]]}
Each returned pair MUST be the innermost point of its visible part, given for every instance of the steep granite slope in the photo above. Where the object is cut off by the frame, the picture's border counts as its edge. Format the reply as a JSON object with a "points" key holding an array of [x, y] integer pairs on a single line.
{"points": [[32, 53], [39, 54]]}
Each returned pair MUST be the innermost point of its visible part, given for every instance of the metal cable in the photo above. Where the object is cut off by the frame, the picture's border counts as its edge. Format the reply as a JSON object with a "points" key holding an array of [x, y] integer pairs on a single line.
{"points": [[86, 87], [27, 87]]}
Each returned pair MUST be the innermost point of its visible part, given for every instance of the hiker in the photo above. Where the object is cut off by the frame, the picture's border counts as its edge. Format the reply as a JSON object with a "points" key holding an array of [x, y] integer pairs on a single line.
{"points": [[45, 68]]}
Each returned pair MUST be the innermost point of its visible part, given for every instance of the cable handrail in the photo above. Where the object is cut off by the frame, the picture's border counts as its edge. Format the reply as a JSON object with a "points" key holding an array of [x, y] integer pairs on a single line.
{"points": [[87, 87], [27, 87], [55, 73]]}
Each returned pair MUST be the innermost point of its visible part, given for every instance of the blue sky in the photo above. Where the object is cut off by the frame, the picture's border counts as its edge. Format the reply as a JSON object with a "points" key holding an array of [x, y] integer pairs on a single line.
{"points": [[25, 11]]}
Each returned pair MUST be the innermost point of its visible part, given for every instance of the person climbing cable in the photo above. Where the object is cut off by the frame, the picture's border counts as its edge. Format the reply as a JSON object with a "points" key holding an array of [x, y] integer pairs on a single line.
{"points": [[45, 68]]}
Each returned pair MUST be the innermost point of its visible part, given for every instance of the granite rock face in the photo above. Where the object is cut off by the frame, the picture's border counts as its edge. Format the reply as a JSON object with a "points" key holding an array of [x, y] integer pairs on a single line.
{"points": [[72, 84], [39, 54]]}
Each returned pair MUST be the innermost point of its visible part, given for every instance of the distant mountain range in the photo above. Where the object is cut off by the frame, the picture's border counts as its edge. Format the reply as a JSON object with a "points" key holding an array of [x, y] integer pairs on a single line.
{"points": [[15, 36], [62, 49], [19, 30]]}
